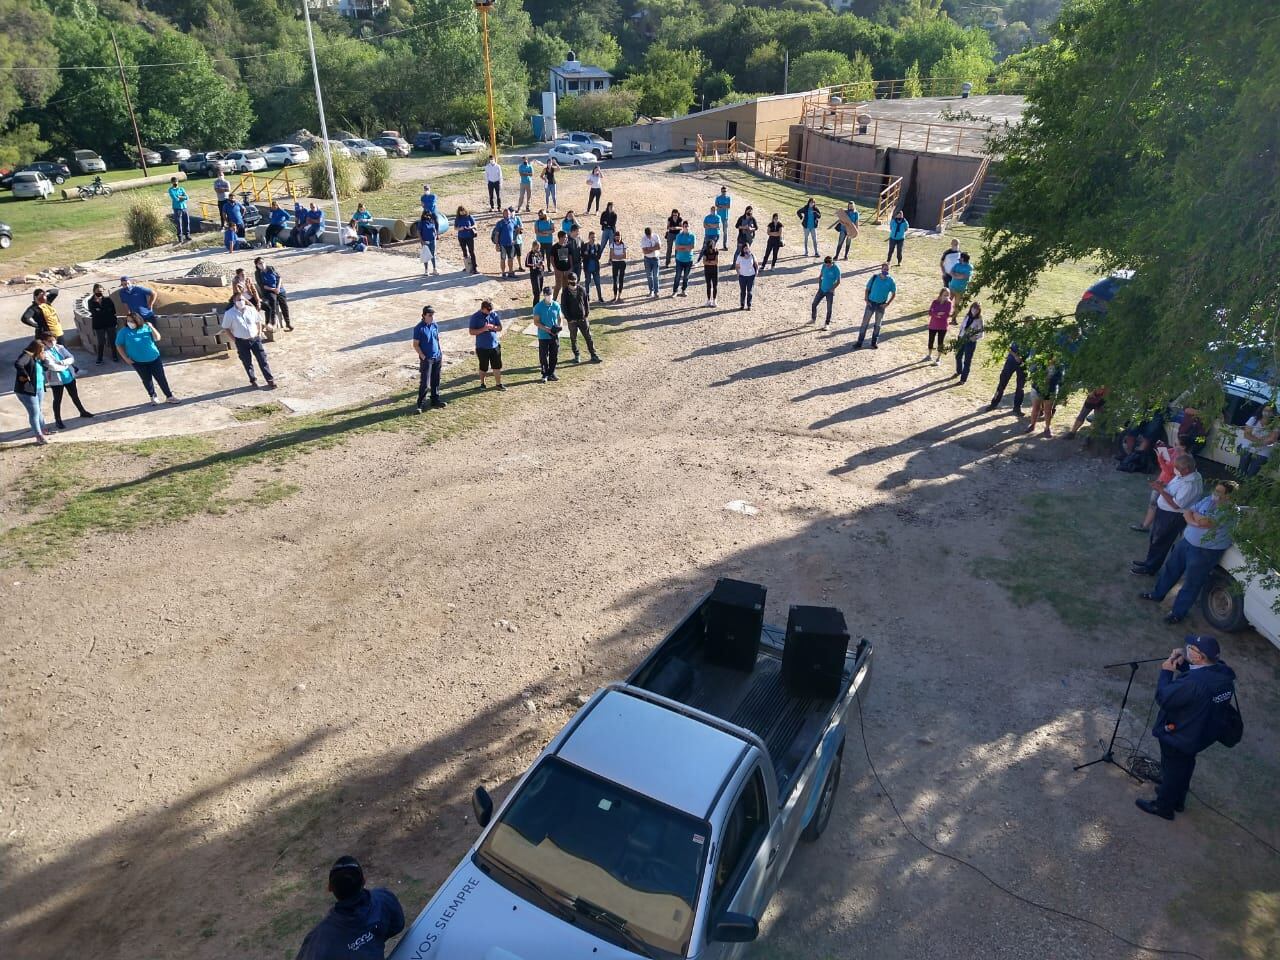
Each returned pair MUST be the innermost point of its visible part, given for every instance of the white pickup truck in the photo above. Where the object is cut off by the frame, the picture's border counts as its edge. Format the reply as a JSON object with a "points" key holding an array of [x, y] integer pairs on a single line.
{"points": [[659, 821]]}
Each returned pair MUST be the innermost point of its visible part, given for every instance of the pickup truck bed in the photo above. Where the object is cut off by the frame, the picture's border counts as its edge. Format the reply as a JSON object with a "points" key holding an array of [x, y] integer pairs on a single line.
{"points": [[759, 700]]}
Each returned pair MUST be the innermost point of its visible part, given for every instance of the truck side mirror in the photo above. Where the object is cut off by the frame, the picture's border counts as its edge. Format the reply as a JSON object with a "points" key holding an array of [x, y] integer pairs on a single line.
{"points": [[735, 928], [482, 806]]}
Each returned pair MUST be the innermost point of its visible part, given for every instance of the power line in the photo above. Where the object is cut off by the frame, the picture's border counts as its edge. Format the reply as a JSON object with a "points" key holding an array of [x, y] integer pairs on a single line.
{"points": [[334, 41]]}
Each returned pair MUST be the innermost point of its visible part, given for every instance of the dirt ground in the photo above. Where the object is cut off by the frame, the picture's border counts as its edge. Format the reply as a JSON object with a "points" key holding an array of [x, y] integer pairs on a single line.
{"points": [[199, 717]]}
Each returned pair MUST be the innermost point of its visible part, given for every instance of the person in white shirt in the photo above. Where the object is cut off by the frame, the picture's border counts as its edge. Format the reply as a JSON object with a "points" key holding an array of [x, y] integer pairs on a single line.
{"points": [[949, 260], [649, 246], [349, 236], [493, 180], [1257, 438], [747, 266], [1179, 494], [595, 188], [243, 321]]}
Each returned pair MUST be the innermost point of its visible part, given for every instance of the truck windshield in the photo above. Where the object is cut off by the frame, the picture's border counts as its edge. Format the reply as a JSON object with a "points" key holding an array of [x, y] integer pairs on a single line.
{"points": [[578, 836]]}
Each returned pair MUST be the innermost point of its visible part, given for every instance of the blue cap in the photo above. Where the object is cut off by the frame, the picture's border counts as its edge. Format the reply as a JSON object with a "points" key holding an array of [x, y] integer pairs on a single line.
{"points": [[1206, 645]]}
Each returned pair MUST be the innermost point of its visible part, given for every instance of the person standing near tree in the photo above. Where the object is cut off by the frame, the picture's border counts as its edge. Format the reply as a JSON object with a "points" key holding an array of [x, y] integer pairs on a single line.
{"points": [[426, 344], [274, 298], [546, 318], [525, 170], [844, 239], [879, 292], [723, 203], [684, 259], [485, 326], [608, 224], [181, 218], [774, 242], [1046, 380], [493, 183], [1196, 553], [618, 264], [575, 306], [709, 257], [1183, 490], [810, 216], [592, 253], [595, 188], [746, 227], [673, 231], [968, 334], [747, 266], [649, 246], [939, 315], [102, 310], [898, 228], [828, 280], [60, 373], [465, 224], [961, 271], [243, 321], [1015, 364], [1257, 439]]}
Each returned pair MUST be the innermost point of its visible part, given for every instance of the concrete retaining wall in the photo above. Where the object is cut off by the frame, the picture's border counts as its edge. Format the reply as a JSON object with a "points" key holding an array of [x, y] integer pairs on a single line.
{"points": [[181, 334]]}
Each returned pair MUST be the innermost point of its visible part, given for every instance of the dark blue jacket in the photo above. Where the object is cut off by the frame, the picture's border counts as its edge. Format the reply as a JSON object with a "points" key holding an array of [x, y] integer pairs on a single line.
{"points": [[1189, 706], [357, 928]]}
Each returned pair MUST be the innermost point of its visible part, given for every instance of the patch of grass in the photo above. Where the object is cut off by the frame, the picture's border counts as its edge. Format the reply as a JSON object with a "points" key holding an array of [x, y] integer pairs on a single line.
{"points": [[1063, 546], [259, 411], [185, 476], [57, 473]]}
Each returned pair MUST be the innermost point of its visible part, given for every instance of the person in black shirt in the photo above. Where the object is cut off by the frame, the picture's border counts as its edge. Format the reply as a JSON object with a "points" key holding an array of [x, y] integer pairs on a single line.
{"points": [[575, 251], [103, 311], [747, 227], [561, 261], [774, 229], [608, 224], [591, 254], [537, 265], [673, 231], [575, 305]]}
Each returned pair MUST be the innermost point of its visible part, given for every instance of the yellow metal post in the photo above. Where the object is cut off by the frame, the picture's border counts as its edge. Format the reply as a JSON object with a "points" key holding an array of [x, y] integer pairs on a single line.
{"points": [[483, 6]]}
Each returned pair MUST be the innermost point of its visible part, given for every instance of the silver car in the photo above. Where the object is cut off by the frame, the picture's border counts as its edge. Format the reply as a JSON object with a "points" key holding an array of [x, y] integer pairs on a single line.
{"points": [[89, 162]]}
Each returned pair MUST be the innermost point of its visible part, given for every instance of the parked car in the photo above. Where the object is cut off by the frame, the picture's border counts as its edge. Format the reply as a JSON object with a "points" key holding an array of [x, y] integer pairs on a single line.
{"points": [[395, 146], [427, 140], [55, 171], [172, 153], [1234, 599], [31, 185], [460, 143], [152, 158], [246, 161], [363, 149], [597, 144], [389, 133], [204, 164], [339, 149], [6, 236], [285, 154], [570, 155], [89, 162], [659, 822]]}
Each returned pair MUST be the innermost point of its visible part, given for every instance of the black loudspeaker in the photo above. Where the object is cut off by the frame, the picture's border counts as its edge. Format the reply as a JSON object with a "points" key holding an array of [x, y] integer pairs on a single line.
{"points": [[813, 658], [734, 619]]}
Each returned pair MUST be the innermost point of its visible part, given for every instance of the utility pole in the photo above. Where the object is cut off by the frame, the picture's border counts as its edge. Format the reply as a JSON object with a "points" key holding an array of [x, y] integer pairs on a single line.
{"points": [[137, 137], [324, 126], [484, 6], [786, 71]]}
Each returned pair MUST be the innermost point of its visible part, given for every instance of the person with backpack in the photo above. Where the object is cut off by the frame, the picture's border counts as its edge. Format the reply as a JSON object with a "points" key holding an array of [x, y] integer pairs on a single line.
{"points": [[1194, 692]]}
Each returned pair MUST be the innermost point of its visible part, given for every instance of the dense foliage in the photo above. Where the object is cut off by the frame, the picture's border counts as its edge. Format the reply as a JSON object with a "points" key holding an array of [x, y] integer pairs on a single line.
{"points": [[236, 71]]}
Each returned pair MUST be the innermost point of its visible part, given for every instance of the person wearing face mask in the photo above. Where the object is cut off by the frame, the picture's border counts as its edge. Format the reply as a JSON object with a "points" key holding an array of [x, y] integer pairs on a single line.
{"points": [[60, 373], [136, 342], [898, 227], [1196, 553], [244, 322], [546, 317], [879, 293], [1194, 692], [103, 311]]}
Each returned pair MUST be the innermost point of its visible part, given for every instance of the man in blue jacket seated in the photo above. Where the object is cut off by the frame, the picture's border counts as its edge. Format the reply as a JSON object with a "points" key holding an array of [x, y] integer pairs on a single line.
{"points": [[359, 924], [1194, 690]]}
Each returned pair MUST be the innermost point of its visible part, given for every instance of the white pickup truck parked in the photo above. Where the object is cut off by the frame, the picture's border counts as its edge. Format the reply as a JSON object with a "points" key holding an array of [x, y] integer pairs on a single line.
{"points": [[1234, 600], [659, 821]]}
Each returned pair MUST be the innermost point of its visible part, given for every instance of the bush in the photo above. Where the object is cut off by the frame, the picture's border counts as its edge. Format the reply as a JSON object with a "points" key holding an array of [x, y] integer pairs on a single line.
{"points": [[146, 224], [598, 112], [377, 171], [317, 177]]}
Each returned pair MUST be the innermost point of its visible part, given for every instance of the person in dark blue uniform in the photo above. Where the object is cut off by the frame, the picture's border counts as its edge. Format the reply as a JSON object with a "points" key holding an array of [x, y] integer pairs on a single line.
{"points": [[359, 924], [1194, 688]]}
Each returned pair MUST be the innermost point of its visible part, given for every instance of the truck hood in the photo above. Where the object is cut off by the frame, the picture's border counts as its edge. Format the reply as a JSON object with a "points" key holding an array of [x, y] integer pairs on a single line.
{"points": [[473, 917]]}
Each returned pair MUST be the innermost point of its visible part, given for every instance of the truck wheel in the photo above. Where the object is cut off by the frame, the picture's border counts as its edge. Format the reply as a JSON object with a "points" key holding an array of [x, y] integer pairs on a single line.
{"points": [[826, 801], [1223, 603]]}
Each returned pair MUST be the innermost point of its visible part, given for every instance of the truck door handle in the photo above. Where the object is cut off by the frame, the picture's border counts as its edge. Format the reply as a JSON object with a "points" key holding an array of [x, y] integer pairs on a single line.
{"points": [[773, 855]]}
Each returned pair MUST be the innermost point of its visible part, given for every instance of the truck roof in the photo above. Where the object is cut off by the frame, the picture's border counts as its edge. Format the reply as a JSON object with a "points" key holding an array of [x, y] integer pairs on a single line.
{"points": [[660, 753]]}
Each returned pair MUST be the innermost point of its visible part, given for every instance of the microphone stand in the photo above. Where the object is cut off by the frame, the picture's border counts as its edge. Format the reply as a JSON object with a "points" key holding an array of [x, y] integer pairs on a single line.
{"points": [[1109, 756]]}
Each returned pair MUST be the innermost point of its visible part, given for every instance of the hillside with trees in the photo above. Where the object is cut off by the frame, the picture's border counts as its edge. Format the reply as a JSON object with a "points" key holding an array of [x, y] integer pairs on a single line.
{"points": [[227, 72]]}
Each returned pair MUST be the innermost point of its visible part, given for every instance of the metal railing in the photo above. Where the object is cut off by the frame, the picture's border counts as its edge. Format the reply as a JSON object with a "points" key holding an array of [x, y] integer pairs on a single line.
{"points": [[715, 151], [954, 206], [918, 87], [839, 181], [251, 186], [851, 121]]}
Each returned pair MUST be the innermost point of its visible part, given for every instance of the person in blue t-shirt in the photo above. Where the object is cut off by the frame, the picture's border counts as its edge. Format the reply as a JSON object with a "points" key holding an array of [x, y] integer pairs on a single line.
{"points": [[466, 226], [426, 344], [525, 170], [315, 225], [898, 227], [809, 216], [503, 236], [137, 299], [485, 326], [181, 219], [427, 238], [844, 239], [961, 271], [277, 219], [879, 293], [711, 226], [364, 226], [547, 318], [828, 280], [544, 231], [684, 244], [235, 216], [428, 199], [723, 203]]}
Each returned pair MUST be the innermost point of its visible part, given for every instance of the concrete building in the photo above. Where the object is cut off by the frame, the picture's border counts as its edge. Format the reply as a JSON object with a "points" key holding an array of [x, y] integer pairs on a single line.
{"points": [[752, 121], [574, 77], [356, 9]]}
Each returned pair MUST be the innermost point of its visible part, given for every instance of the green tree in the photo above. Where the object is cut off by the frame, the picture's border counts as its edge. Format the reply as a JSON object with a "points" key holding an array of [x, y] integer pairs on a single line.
{"points": [[716, 85], [763, 69], [911, 86], [666, 83], [820, 68], [542, 51], [598, 112], [25, 42], [191, 103], [956, 66], [1150, 142]]}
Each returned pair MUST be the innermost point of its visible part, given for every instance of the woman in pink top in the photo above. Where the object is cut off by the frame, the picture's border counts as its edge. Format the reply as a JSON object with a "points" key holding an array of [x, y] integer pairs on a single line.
{"points": [[939, 314], [1165, 455]]}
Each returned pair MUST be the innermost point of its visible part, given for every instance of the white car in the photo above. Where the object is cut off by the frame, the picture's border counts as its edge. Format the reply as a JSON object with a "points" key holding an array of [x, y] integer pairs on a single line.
{"points": [[285, 154], [1234, 599], [571, 155], [601, 147], [339, 149], [246, 161], [363, 149], [31, 185]]}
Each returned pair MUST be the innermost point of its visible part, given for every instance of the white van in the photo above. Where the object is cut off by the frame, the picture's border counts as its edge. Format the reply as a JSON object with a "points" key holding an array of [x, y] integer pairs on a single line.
{"points": [[1233, 600]]}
